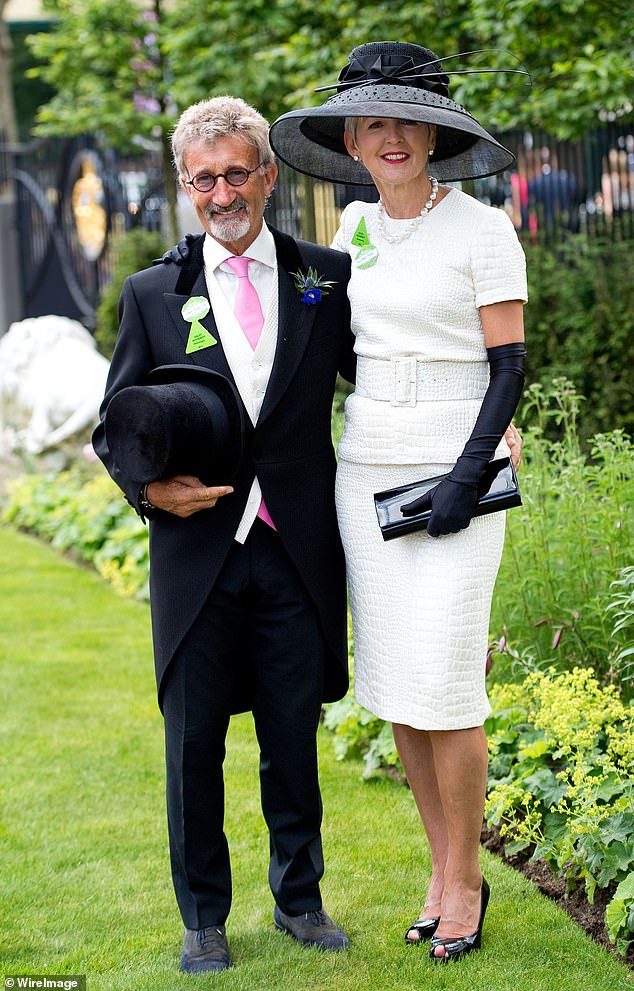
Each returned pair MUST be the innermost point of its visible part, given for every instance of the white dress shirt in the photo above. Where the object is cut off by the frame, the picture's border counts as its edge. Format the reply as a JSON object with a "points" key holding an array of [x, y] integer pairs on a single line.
{"points": [[250, 368]]}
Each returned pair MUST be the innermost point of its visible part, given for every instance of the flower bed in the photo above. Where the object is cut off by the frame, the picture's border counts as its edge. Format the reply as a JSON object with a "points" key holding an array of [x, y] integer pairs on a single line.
{"points": [[561, 784]]}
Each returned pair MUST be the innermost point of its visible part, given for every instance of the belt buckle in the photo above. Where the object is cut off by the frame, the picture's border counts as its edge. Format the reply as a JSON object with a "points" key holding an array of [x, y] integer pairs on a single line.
{"points": [[404, 382]]}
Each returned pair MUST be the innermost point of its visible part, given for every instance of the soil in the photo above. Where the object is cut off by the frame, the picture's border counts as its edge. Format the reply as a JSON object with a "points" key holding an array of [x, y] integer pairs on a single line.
{"points": [[591, 918]]}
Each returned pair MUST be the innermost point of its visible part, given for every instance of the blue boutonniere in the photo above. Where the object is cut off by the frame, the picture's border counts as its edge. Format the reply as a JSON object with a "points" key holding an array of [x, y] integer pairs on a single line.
{"points": [[312, 286]]}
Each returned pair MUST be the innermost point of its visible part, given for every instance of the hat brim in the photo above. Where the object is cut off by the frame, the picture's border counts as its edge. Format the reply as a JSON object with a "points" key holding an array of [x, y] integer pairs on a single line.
{"points": [[226, 391], [197, 427], [311, 140]]}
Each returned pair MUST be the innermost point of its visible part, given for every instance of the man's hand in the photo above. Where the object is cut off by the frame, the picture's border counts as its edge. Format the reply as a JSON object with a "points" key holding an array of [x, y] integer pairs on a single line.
{"points": [[515, 444], [178, 253], [185, 495]]}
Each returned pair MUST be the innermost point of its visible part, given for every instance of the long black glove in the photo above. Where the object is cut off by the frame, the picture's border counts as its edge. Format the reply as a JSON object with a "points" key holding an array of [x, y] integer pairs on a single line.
{"points": [[454, 500], [178, 253]]}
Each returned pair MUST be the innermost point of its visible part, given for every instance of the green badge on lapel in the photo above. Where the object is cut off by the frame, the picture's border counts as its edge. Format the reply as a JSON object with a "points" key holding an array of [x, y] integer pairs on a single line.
{"points": [[195, 309], [368, 254], [360, 237]]}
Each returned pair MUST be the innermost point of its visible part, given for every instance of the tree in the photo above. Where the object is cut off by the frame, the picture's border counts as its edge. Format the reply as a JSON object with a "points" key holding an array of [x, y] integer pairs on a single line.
{"points": [[106, 62], [127, 69], [580, 55]]}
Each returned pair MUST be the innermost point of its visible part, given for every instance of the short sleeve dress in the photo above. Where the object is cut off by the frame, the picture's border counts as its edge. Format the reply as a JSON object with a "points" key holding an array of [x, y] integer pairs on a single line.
{"points": [[420, 605]]}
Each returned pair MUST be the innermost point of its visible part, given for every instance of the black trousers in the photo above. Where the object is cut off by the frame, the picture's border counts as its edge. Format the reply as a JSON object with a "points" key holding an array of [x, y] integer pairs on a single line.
{"points": [[258, 623]]}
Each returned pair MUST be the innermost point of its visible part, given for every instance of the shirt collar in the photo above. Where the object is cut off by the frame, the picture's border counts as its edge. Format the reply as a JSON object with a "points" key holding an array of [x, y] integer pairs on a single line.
{"points": [[261, 250]]}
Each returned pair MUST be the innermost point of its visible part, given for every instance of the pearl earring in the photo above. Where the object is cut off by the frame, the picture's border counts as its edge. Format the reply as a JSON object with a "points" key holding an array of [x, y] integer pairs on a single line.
{"points": [[356, 158], [431, 152]]}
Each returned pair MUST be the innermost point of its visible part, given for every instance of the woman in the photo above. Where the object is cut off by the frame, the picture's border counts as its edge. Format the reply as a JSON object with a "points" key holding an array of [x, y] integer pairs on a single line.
{"points": [[437, 289]]}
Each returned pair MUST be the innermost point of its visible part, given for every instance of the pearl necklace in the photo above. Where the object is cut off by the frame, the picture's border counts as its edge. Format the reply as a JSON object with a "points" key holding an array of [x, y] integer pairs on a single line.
{"points": [[413, 224]]}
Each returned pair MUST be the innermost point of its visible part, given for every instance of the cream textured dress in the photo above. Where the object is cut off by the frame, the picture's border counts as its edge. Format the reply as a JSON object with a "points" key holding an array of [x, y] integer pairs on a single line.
{"points": [[421, 605]]}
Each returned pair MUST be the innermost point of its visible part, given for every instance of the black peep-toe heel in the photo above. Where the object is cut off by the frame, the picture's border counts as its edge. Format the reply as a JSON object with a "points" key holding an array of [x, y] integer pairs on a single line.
{"points": [[425, 929], [456, 947]]}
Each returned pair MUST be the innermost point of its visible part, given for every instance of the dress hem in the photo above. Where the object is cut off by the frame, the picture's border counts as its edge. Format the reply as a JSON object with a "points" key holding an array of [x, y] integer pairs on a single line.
{"points": [[415, 723]]}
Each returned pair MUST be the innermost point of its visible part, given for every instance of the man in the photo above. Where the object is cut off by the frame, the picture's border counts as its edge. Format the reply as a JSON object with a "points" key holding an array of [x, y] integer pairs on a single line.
{"points": [[247, 579]]}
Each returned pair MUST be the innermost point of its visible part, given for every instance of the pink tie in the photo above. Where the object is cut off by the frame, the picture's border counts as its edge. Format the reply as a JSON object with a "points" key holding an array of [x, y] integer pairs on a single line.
{"points": [[249, 313], [247, 305]]}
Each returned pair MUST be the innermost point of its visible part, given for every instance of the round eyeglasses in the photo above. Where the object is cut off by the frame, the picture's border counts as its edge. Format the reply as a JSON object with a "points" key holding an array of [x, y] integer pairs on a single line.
{"points": [[204, 182]]}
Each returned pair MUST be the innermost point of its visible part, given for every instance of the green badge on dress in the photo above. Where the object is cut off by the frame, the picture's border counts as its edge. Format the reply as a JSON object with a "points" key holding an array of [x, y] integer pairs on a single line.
{"points": [[368, 254], [194, 310]]}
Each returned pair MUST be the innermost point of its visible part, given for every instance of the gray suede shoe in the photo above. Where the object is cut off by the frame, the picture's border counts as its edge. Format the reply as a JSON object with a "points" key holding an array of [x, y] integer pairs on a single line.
{"points": [[205, 949], [312, 929]]}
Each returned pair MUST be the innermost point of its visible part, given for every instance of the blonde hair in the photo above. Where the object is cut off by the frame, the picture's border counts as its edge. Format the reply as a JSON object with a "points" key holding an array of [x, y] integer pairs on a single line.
{"points": [[220, 117], [350, 125]]}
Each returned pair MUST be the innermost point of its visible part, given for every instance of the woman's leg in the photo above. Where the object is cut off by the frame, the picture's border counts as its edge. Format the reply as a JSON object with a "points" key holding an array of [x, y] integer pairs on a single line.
{"points": [[416, 753], [446, 771], [460, 761]]}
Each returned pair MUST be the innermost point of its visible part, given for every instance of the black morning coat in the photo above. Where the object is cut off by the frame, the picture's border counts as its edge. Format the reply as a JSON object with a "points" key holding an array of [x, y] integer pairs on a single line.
{"points": [[290, 447]]}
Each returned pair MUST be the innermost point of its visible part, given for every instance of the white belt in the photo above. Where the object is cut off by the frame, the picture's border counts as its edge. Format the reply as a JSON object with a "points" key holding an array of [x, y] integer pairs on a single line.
{"points": [[404, 381]]}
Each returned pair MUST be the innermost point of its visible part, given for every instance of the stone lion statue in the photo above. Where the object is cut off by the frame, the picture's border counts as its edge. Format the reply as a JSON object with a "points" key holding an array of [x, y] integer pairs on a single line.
{"points": [[52, 380]]}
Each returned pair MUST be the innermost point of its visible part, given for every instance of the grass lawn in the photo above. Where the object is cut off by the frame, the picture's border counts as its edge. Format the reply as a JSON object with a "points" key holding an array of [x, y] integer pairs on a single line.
{"points": [[84, 869]]}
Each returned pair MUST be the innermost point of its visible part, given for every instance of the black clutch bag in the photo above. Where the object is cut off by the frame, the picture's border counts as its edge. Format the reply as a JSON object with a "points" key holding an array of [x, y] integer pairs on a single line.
{"points": [[498, 490]]}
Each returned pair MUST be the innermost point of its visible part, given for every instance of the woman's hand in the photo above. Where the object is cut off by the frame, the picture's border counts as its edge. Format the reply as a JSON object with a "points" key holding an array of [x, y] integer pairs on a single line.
{"points": [[184, 495], [452, 506]]}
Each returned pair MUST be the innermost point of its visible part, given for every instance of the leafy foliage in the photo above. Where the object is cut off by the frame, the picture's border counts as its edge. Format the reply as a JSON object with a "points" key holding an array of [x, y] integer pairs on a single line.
{"points": [[83, 512], [358, 733], [580, 324], [133, 251], [561, 781], [274, 52], [104, 61], [569, 542], [619, 915], [621, 609]]}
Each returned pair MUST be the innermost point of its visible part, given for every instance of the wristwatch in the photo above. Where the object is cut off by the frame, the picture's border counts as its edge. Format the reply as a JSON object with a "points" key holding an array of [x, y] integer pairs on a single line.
{"points": [[144, 503]]}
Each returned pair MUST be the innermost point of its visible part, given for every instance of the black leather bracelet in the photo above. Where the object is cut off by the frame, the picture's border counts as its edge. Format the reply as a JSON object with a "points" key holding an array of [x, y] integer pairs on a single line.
{"points": [[144, 503]]}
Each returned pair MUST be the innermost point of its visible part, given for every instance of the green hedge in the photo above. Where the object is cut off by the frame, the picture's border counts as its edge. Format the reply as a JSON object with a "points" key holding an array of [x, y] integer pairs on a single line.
{"points": [[580, 324], [132, 252]]}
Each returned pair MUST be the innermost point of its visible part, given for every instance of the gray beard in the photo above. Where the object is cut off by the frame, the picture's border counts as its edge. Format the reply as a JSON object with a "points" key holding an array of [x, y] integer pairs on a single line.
{"points": [[227, 228]]}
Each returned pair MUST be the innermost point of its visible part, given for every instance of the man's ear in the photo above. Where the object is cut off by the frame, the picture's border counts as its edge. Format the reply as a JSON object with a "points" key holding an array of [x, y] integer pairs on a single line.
{"points": [[188, 189], [271, 177]]}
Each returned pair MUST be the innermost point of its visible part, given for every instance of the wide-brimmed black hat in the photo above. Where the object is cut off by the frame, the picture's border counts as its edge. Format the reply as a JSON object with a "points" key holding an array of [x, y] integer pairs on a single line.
{"points": [[388, 79], [184, 420]]}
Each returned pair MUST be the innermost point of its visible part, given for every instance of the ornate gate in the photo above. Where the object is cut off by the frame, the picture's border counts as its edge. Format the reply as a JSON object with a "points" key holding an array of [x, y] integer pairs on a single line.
{"points": [[72, 201]]}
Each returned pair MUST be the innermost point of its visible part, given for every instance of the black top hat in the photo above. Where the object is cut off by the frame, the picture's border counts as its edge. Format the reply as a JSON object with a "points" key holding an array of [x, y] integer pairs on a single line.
{"points": [[185, 420], [388, 79]]}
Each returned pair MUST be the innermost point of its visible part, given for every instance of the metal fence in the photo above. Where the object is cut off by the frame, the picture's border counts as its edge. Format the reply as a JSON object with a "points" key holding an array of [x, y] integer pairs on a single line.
{"points": [[73, 202], [561, 187], [556, 188]]}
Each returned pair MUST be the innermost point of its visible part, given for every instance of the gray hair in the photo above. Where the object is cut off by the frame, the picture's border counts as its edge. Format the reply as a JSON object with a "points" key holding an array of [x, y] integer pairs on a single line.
{"points": [[220, 117]]}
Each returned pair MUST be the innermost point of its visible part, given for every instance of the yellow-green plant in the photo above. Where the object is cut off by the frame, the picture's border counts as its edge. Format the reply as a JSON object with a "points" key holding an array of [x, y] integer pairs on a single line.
{"points": [[81, 511], [561, 779]]}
